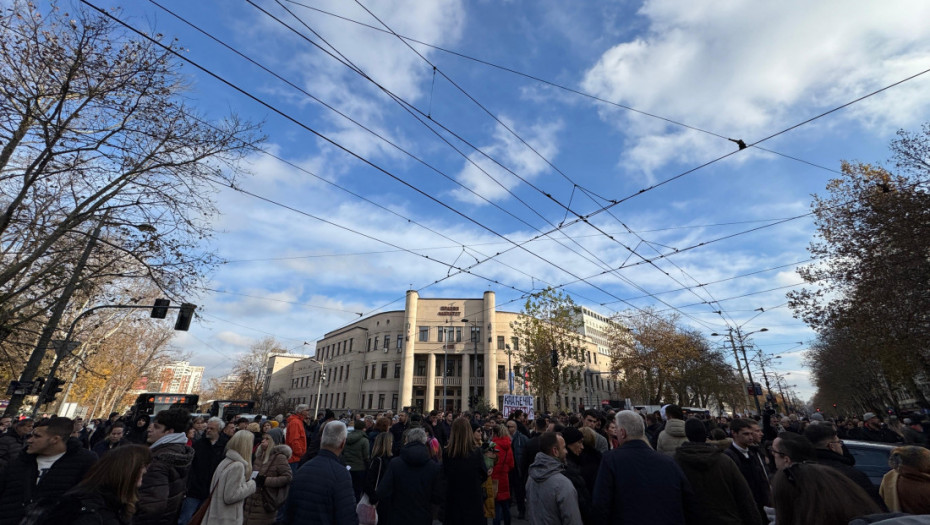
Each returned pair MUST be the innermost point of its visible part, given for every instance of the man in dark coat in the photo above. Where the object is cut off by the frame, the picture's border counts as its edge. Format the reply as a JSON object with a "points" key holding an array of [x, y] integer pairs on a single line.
{"points": [[322, 491], [724, 495], [165, 481], [639, 485], [115, 437], [397, 430], [412, 485], [873, 430], [51, 464], [14, 440], [744, 451], [209, 451], [828, 450]]}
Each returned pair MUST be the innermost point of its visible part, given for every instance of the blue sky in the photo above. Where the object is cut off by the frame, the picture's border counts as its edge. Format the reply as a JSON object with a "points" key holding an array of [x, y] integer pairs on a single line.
{"points": [[734, 69]]}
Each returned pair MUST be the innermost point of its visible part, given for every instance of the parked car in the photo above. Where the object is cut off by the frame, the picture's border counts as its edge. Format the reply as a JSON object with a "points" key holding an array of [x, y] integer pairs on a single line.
{"points": [[871, 457]]}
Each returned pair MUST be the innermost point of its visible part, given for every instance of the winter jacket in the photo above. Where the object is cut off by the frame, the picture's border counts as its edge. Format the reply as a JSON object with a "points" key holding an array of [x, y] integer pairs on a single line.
{"points": [[164, 485], [397, 430], [639, 485], [672, 437], [322, 493], [230, 487], [501, 472], [518, 443], [587, 464], [105, 446], [296, 437], [464, 501], [845, 465], [756, 476], [723, 492], [411, 486], [207, 456], [83, 507], [11, 444], [356, 452], [882, 435], [18, 488], [906, 489], [277, 478], [376, 471], [550, 497]]}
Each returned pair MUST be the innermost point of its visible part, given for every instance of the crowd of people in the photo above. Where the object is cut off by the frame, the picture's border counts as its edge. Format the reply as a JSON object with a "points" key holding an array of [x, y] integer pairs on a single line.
{"points": [[586, 468]]}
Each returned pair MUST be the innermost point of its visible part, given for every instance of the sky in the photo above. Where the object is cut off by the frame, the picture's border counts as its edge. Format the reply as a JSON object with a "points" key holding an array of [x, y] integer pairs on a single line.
{"points": [[580, 145]]}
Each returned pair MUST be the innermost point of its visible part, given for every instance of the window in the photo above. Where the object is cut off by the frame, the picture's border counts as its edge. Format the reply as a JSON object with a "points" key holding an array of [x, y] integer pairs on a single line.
{"points": [[384, 370], [387, 342], [369, 345], [347, 372], [420, 366], [397, 371], [372, 370], [424, 333], [479, 370], [376, 344], [475, 333], [394, 402], [400, 343], [450, 367], [515, 343], [370, 400], [366, 373], [380, 401], [439, 334], [501, 372], [439, 360], [500, 342], [350, 343], [458, 334], [340, 373]]}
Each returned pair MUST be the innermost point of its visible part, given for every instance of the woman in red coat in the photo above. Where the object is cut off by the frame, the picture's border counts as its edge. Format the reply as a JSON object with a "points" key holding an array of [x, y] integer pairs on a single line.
{"points": [[501, 474]]}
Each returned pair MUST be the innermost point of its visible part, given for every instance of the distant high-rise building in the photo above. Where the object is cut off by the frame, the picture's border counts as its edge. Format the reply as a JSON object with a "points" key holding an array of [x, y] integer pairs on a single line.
{"points": [[178, 377]]}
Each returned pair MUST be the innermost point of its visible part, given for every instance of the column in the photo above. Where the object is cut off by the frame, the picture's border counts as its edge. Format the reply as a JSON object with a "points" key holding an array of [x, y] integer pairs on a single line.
{"points": [[466, 378], [406, 360], [430, 400], [490, 349]]}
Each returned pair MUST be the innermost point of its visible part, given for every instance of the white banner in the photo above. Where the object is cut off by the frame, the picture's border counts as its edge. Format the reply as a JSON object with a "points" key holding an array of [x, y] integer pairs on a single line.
{"points": [[514, 403]]}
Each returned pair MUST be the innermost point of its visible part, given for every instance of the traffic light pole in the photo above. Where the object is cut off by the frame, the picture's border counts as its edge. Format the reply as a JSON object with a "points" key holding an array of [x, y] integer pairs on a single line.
{"points": [[186, 309]]}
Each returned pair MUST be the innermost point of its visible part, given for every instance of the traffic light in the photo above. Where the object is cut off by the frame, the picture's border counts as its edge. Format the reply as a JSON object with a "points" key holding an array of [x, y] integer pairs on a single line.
{"points": [[834, 405], [160, 310], [818, 409], [184, 316], [37, 385], [54, 387]]}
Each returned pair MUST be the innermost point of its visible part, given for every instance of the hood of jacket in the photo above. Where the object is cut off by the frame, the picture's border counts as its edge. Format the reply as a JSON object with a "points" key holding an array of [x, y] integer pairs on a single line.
{"points": [[414, 454], [355, 436], [282, 449], [721, 444], [675, 428], [697, 456], [175, 455], [544, 467]]}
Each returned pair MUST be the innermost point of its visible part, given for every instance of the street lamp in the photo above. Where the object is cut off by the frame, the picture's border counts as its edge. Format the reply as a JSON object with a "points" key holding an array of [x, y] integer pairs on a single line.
{"points": [[319, 388], [474, 368], [510, 379]]}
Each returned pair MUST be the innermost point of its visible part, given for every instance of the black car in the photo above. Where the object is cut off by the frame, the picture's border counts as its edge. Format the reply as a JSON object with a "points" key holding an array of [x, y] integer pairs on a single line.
{"points": [[871, 457]]}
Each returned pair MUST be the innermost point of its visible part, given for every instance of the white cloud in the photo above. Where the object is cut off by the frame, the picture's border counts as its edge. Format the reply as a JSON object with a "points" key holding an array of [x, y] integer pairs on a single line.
{"points": [[745, 69]]}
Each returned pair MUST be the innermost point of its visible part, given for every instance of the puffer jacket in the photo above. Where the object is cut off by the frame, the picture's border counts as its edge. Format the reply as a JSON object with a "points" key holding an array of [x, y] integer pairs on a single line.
{"points": [[229, 487], [163, 485], [277, 475], [356, 452], [723, 492], [18, 488], [672, 437], [322, 493], [412, 484], [501, 472], [295, 436], [550, 497]]}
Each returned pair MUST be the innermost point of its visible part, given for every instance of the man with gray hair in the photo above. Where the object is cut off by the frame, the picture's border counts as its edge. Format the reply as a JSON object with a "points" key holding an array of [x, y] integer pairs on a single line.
{"points": [[412, 485], [322, 489], [636, 484]]}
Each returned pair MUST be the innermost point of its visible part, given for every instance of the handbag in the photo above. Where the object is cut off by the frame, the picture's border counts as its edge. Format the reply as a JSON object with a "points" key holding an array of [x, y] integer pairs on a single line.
{"points": [[368, 513], [198, 516]]}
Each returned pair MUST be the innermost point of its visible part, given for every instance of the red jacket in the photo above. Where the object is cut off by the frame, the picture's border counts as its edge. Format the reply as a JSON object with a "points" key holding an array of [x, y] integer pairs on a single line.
{"points": [[503, 467], [295, 437]]}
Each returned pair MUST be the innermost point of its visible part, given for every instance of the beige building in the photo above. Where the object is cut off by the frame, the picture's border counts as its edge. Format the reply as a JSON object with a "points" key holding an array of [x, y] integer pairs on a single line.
{"points": [[433, 354], [178, 377]]}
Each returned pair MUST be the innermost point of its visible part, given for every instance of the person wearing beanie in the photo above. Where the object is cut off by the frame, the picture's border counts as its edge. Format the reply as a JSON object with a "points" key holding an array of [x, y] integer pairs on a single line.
{"points": [[583, 456], [716, 480], [674, 433]]}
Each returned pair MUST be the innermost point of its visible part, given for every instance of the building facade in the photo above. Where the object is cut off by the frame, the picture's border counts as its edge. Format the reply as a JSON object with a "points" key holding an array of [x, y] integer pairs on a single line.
{"points": [[178, 377], [434, 354]]}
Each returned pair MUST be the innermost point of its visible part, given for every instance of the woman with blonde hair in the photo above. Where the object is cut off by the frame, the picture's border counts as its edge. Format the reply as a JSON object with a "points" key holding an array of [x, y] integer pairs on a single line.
{"points": [[231, 484], [272, 481], [906, 487]]}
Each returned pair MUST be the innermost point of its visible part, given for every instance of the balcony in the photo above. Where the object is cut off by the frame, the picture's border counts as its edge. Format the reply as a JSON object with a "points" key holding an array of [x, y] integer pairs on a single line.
{"points": [[419, 380], [448, 381], [472, 381]]}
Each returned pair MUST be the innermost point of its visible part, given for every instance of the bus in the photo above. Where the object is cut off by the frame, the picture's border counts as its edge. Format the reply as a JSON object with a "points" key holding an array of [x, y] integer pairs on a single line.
{"points": [[152, 403], [227, 409]]}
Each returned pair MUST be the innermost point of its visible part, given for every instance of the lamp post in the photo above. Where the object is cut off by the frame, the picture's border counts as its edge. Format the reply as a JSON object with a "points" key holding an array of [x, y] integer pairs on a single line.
{"points": [[510, 379], [742, 337], [762, 360], [474, 368], [319, 388]]}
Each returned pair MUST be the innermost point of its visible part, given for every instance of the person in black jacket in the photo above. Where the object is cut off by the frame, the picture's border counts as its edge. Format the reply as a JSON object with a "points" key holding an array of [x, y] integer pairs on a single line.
{"points": [[412, 485], [51, 464], [744, 451], [465, 472], [209, 451], [14, 440], [107, 495], [115, 437], [322, 489], [165, 482], [381, 456], [873, 430], [828, 450]]}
